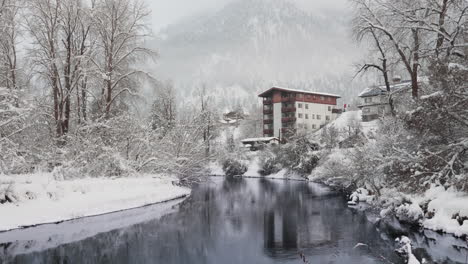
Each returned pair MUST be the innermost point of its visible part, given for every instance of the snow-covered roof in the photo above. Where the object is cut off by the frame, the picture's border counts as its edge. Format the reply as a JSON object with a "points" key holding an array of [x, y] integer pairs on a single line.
{"points": [[264, 94], [263, 139], [382, 89]]}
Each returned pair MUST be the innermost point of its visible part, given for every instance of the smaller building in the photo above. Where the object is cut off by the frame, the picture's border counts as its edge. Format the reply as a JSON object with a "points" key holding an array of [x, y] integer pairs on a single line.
{"points": [[374, 100], [255, 144]]}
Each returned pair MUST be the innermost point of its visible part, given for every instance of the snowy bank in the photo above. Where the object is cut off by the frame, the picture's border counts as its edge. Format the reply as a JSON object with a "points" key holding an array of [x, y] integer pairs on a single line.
{"points": [[39, 199], [40, 238], [253, 168], [447, 210]]}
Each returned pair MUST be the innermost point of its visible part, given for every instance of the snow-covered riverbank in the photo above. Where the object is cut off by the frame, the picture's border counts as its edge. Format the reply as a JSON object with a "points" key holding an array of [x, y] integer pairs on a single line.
{"points": [[38, 199]]}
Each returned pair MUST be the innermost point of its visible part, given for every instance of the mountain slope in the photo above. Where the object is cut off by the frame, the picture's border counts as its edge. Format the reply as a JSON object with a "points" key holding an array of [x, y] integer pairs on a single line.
{"points": [[254, 44]]}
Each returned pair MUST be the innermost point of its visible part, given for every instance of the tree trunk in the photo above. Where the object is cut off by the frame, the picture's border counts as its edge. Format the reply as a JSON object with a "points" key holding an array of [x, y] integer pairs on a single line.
{"points": [[83, 98], [415, 68], [440, 36]]}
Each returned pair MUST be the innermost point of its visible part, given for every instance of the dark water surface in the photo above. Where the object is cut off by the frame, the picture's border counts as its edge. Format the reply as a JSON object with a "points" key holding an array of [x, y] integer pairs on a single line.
{"points": [[224, 221]]}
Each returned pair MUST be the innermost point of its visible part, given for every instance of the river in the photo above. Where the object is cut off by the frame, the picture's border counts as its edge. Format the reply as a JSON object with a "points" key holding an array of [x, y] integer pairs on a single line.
{"points": [[233, 220]]}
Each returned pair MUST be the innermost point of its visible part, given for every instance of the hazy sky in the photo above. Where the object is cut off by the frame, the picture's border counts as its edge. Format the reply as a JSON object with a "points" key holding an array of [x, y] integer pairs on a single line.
{"points": [[166, 12]]}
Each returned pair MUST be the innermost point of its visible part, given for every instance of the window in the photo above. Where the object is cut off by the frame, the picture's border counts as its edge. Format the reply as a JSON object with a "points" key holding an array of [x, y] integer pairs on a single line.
{"points": [[368, 100], [319, 117], [314, 127], [327, 118], [299, 115], [300, 105], [306, 116], [306, 106], [329, 109], [313, 116], [322, 98]]}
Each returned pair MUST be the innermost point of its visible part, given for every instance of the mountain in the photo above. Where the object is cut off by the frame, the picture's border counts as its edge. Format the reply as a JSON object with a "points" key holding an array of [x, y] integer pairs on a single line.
{"points": [[250, 45]]}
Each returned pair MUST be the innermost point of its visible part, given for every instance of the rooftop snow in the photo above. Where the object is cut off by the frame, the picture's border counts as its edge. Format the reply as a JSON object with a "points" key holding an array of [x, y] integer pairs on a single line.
{"points": [[382, 89], [264, 139], [296, 91]]}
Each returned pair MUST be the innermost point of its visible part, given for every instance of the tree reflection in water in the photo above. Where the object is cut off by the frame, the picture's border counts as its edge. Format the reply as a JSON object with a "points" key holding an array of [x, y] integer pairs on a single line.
{"points": [[234, 220]]}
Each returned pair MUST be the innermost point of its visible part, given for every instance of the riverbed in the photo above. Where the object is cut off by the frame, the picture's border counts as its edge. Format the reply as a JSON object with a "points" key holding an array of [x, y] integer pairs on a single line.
{"points": [[228, 220]]}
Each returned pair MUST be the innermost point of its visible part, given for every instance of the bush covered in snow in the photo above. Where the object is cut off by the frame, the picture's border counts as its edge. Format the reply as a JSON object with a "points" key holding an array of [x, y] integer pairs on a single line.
{"points": [[269, 163], [232, 167], [299, 155]]}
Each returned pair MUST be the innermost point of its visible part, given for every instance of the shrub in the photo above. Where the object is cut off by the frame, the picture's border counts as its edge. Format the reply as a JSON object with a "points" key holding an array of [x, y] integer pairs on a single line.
{"points": [[232, 167], [299, 156], [269, 165]]}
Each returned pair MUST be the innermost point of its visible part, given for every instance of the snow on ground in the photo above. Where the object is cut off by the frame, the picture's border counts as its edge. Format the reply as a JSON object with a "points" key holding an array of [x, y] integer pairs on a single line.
{"points": [[215, 169], [42, 199], [24, 241], [253, 166], [407, 250], [351, 119], [360, 195], [449, 209]]}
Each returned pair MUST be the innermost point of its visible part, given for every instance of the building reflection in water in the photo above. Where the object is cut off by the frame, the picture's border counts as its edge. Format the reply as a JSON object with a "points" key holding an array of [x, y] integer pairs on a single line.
{"points": [[231, 220]]}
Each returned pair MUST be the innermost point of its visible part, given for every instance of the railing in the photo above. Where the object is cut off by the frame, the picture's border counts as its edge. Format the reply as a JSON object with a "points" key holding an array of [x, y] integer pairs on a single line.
{"points": [[268, 131], [288, 119], [267, 101], [288, 99], [288, 109], [268, 112], [268, 121]]}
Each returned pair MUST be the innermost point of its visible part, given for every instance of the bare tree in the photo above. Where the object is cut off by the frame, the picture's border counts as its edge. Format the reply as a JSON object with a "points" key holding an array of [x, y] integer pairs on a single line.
{"points": [[121, 27], [207, 117], [379, 16], [9, 32], [163, 112]]}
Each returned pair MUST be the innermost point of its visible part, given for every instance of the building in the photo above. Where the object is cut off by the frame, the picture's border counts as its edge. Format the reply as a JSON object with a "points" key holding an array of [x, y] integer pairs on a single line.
{"points": [[374, 100], [255, 144], [287, 111]]}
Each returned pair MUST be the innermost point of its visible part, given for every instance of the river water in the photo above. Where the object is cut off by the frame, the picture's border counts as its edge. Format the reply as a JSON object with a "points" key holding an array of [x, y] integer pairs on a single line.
{"points": [[227, 221]]}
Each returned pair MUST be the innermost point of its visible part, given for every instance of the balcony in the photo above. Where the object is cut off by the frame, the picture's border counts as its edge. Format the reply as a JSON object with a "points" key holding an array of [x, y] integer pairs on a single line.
{"points": [[268, 132], [267, 101], [288, 109], [288, 99], [288, 119], [268, 112], [268, 121]]}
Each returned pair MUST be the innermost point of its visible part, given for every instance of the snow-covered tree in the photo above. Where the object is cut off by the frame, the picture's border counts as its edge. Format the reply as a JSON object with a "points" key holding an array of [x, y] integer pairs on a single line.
{"points": [[163, 111], [121, 27]]}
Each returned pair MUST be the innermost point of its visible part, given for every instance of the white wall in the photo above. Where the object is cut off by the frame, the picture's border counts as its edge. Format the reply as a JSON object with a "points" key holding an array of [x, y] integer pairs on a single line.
{"points": [[378, 105], [277, 119], [313, 111]]}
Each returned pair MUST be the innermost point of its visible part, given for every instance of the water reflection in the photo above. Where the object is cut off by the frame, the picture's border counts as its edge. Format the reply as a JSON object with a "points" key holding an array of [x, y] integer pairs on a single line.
{"points": [[232, 220]]}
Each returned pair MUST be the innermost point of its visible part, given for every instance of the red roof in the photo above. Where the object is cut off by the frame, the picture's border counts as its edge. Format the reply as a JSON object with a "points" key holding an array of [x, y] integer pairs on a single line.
{"points": [[269, 91]]}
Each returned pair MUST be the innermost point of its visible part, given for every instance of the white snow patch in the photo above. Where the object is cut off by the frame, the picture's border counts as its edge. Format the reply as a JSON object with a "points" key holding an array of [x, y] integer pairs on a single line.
{"points": [[409, 212], [445, 206], [360, 195], [40, 238], [215, 169], [406, 249], [42, 199]]}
